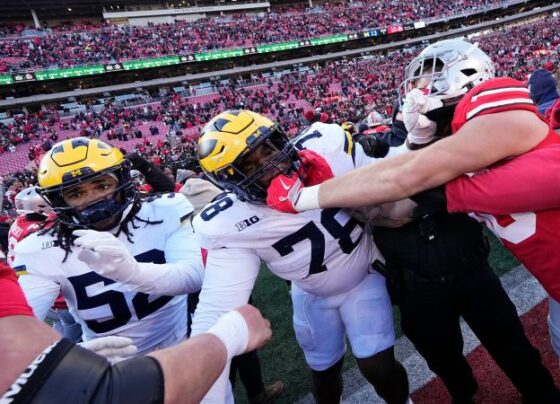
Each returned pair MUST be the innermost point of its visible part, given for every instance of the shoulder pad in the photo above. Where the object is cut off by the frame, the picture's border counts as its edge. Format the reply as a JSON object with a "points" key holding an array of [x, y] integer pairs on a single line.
{"points": [[222, 220], [169, 205]]}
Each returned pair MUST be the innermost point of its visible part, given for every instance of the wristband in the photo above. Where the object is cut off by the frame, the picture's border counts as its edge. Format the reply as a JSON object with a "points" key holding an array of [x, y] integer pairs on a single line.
{"points": [[308, 199], [232, 330]]}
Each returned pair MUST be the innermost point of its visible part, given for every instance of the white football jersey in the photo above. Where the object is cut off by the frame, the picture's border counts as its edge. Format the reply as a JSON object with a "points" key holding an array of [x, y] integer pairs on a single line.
{"points": [[325, 252], [101, 305]]}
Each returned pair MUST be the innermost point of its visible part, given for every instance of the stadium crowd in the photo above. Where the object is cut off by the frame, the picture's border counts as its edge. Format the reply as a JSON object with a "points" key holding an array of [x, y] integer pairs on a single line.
{"points": [[346, 90], [88, 43]]}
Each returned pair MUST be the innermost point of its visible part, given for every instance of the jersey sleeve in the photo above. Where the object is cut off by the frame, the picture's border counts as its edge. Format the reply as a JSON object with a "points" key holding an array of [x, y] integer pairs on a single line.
{"points": [[182, 271], [524, 184], [335, 145], [173, 207], [40, 293], [493, 96], [37, 262], [229, 279]]}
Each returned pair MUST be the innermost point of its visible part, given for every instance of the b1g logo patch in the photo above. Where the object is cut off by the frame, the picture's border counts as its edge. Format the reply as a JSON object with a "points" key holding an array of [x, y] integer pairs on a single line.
{"points": [[50, 244], [242, 225]]}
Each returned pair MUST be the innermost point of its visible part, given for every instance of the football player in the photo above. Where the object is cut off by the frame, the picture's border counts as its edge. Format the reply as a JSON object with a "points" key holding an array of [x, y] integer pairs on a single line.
{"points": [[33, 212], [38, 366], [491, 121], [326, 254], [104, 226]]}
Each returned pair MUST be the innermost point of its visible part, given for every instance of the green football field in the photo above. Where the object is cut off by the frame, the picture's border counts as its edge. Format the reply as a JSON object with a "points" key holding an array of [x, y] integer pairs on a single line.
{"points": [[282, 358]]}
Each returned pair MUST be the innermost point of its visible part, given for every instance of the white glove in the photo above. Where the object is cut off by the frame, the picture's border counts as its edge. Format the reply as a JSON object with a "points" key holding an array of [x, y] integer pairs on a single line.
{"points": [[109, 257], [420, 129], [114, 348], [106, 255]]}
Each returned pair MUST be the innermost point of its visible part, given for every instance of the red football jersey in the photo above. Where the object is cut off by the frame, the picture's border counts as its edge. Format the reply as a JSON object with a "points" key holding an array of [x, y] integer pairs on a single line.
{"points": [[13, 302], [509, 197], [21, 228]]}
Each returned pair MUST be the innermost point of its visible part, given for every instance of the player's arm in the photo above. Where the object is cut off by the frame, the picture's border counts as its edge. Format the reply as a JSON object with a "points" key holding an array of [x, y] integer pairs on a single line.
{"points": [[242, 330], [160, 377], [481, 142], [526, 183], [228, 281], [181, 274]]}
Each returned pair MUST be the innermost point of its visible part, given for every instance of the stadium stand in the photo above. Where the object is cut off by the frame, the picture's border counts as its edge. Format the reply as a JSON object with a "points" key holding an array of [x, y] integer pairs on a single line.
{"points": [[85, 43]]}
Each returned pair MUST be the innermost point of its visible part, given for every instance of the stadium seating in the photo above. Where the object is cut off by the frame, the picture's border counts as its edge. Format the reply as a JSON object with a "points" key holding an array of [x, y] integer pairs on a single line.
{"points": [[85, 43]]}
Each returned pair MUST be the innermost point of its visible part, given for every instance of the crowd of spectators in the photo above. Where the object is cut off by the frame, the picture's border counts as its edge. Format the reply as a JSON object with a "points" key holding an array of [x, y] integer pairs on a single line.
{"points": [[87, 43], [346, 90]]}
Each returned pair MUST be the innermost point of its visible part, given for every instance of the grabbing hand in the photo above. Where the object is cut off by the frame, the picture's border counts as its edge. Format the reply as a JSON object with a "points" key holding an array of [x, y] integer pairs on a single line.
{"points": [[315, 167], [283, 193], [417, 101], [112, 347], [259, 327], [373, 146], [420, 129], [105, 254]]}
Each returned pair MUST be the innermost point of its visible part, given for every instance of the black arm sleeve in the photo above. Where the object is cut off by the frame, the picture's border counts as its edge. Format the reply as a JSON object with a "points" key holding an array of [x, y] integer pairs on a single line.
{"points": [[67, 373], [153, 175], [433, 200]]}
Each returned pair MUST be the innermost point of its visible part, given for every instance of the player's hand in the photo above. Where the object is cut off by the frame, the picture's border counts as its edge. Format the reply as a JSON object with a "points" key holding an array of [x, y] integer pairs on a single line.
{"points": [[418, 101], [259, 327], [420, 129], [372, 145], [113, 347], [283, 193], [105, 254], [315, 168]]}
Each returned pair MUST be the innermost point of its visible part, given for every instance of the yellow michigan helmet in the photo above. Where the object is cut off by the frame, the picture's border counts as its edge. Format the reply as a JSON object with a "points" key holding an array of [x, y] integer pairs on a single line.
{"points": [[348, 127], [228, 138], [77, 160]]}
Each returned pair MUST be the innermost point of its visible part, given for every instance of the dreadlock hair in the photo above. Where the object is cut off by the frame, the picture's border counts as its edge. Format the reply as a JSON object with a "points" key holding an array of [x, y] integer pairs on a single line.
{"points": [[63, 230]]}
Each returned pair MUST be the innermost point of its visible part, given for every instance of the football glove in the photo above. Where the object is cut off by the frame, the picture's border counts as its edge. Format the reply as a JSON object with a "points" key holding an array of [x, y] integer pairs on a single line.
{"points": [[315, 168], [284, 192], [106, 255], [112, 347], [372, 145], [287, 194], [420, 129]]}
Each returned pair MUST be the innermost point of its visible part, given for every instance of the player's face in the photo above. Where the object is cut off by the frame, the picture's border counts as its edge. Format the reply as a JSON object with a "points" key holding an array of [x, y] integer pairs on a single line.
{"points": [[81, 195], [260, 157]]}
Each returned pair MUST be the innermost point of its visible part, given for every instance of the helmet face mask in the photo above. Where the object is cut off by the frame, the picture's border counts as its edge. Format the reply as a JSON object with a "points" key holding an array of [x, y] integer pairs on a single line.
{"points": [[100, 214], [252, 174], [261, 164], [68, 165], [256, 153], [447, 70]]}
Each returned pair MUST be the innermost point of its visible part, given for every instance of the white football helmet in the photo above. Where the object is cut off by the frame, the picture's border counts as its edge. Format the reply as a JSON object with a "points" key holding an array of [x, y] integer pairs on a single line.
{"points": [[374, 119], [29, 201], [137, 177], [449, 69]]}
